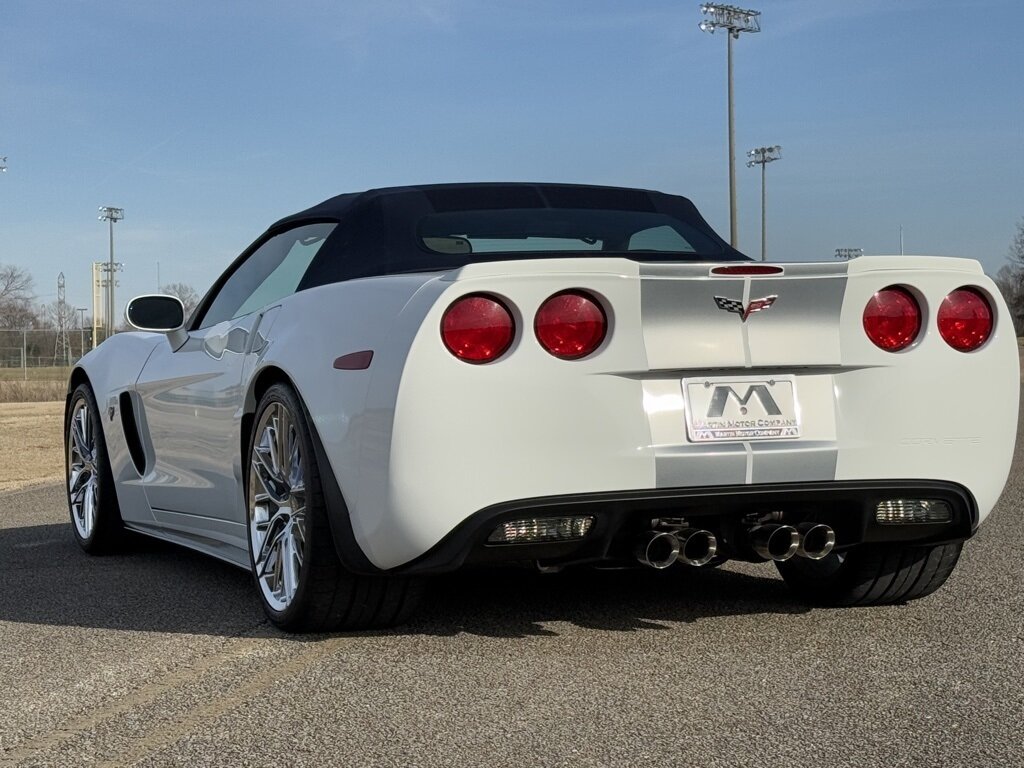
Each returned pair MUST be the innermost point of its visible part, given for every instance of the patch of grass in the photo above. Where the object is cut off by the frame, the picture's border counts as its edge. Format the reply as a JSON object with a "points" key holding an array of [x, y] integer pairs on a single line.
{"points": [[47, 373], [33, 391]]}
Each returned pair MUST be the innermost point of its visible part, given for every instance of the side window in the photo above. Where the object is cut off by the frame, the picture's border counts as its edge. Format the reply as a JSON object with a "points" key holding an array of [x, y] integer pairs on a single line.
{"points": [[664, 238], [271, 272]]}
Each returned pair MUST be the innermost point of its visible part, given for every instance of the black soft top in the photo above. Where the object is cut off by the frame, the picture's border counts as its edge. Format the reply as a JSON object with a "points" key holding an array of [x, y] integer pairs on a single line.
{"points": [[377, 229]]}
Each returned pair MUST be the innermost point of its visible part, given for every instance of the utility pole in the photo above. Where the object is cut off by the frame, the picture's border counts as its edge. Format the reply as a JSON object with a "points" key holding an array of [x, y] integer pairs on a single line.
{"points": [[110, 214], [81, 331], [733, 20], [762, 156]]}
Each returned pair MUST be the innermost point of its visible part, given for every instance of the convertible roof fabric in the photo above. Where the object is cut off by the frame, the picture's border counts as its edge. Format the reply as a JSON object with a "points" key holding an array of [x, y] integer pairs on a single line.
{"points": [[377, 232]]}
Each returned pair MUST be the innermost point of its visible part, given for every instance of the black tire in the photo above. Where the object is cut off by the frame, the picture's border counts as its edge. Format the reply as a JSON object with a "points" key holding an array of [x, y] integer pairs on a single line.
{"points": [[328, 597], [107, 534], [872, 574]]}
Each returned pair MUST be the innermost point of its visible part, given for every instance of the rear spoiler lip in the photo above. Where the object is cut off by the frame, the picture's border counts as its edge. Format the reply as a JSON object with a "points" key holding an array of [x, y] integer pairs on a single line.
{"points": [[623, 267]]}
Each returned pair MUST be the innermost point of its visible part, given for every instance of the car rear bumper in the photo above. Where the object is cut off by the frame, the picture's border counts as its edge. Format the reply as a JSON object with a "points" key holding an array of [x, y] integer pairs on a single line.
{"points": [[620, 517]]}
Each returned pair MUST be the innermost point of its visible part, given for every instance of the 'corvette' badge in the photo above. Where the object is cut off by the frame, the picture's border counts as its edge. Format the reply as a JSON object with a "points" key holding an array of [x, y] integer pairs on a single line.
{"points": [[755, 305]]}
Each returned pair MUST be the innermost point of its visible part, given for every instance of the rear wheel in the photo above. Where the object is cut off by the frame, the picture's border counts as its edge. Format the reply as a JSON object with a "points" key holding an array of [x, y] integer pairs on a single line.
{"points": [[302, 585], [92, 501], [872, 574]]}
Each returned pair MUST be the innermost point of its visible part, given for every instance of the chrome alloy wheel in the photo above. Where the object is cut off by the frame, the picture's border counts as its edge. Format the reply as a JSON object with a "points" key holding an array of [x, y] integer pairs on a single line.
{"points": [[82, 478], [277, 506]]}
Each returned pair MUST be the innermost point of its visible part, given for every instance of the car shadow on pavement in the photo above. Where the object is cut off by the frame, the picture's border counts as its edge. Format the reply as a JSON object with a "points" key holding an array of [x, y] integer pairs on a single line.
{"points": [[159, 587], [521, 602]]}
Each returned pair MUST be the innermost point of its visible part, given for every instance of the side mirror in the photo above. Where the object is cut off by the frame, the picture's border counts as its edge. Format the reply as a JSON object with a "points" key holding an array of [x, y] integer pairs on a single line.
{"points": [[162, 314]]}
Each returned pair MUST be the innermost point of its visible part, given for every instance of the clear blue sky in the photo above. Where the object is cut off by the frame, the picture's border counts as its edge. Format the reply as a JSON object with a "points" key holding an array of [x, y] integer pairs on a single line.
{"points": [[207, 121]]}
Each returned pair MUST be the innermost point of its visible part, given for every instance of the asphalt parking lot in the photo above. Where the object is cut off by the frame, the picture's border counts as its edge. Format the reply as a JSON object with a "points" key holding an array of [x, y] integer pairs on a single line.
{"points": [[162, 657]]}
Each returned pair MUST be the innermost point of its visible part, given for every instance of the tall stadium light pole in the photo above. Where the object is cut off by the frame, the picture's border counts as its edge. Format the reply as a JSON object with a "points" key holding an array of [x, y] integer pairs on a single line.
{"points": [[762, 156], [81, 330], [733, 20], [110, 214]]}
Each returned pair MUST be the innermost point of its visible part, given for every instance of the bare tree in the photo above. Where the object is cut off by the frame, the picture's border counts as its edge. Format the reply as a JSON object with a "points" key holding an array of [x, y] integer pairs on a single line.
{"points": [[16, 309], [1010, 278], [51, 315], [1016, 255], [188, 295]]}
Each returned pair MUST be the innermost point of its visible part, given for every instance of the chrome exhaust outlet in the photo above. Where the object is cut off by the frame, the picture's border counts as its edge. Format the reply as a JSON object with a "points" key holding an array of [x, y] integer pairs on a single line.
{"points": [[657, 549], [696, 547], [774, 542], [816, 540]]}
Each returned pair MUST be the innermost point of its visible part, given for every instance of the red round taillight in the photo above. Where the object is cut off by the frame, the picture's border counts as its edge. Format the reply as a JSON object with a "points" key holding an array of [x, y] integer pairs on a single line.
{"points": [[965, 319], [477, 328], [570, 325], [892, 318]]}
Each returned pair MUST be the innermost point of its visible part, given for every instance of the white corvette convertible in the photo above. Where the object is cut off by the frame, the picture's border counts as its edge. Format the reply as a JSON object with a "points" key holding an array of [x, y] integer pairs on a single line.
{"points": [[407, 381]]}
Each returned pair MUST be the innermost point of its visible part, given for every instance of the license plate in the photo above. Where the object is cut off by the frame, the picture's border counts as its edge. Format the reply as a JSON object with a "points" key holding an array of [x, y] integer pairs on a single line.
{"points": [[741, 408]]}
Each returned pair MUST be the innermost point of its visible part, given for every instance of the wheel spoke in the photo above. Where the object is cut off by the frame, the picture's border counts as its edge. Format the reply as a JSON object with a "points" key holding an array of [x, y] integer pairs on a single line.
{"points": [[78, 436], [294, 461], [89, 508], [79, 477], [266, 473], [270, 559], [273, 536], [289, 567], [282, 427], [278, 565], [271, 434]]}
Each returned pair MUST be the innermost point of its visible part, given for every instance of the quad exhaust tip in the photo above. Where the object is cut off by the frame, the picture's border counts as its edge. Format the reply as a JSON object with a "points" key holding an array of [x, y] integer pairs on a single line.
{"points": [[775, 542], [697, 547], [772, 541], [657, 549], [661, 549], [816, 540]]}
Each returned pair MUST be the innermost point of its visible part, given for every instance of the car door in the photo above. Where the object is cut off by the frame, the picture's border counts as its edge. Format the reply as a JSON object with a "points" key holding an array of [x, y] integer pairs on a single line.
{"points": [[192, 396]]}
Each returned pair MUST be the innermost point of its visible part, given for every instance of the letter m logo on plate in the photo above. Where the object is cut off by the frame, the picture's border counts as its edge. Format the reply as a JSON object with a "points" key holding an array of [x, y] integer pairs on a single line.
{"points": [[722, 393]]}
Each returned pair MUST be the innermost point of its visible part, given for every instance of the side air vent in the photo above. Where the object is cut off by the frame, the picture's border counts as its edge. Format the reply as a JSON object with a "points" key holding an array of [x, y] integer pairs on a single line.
{"points": [[130, 425]]}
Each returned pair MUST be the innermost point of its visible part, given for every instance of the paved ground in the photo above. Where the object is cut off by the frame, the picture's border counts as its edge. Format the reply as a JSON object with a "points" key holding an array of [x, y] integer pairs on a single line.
{"points": [[163, 658]]}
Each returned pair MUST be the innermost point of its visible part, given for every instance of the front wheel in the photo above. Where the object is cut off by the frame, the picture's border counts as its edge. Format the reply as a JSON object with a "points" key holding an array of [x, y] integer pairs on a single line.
{"points": [[92, 500], [872, 574], [301, 582]]}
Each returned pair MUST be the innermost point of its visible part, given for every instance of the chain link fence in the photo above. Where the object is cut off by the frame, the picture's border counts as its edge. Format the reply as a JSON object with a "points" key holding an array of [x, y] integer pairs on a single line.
{"points": [[35, 352]]}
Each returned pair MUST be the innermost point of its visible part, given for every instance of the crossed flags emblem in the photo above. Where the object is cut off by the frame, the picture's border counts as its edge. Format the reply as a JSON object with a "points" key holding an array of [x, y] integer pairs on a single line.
{"points": [[755, 305]]}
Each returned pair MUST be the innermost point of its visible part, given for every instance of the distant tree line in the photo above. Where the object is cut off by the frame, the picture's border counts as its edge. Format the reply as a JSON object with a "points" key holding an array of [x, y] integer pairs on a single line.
{"points": [[20, 311], [1010, 279]]}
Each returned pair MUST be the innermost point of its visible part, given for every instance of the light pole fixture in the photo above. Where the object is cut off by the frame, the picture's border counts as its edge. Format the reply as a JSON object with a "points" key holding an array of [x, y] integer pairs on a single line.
{"points": [[110, 214], [3, 164], [733, 20], [849, 253], [762, 156]]}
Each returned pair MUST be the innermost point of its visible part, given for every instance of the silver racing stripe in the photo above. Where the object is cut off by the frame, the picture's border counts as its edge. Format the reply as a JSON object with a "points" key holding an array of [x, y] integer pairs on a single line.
{"points": [[685, 334]]}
